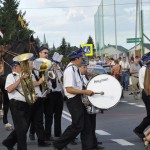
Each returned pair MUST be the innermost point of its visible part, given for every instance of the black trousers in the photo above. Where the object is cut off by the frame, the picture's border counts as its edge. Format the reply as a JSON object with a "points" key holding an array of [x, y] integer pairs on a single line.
{"points": [[146, 121], [80, 124], [36, 125], [93, 127], [5, 106], [21, 116], [53, 110]]}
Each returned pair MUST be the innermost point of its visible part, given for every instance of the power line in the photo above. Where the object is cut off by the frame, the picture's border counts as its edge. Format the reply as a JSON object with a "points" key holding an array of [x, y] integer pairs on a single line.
{"points": [[85, 6]]}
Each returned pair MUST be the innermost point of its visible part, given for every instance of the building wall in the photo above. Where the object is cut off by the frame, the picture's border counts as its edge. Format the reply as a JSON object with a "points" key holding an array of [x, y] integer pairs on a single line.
{"points": [[138, 52], [112, 52]]}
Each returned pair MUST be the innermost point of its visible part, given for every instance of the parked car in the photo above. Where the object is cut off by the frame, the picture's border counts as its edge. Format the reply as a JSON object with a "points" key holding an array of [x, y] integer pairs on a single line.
{"points": [[96, 70]]}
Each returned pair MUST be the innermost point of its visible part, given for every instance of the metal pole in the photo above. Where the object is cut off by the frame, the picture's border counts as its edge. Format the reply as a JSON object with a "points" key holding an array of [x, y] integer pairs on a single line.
{"points": [[115, 23], [142, 32], [103, 23]]}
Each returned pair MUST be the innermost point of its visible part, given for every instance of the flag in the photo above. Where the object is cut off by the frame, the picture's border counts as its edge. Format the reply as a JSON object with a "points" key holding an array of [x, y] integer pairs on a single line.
{"points": [[1, 33], [22, 22]]}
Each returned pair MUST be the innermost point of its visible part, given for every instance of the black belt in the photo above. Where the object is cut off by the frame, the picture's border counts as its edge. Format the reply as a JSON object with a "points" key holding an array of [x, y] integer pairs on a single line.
{"points": [[17, 101], [135, 76]]}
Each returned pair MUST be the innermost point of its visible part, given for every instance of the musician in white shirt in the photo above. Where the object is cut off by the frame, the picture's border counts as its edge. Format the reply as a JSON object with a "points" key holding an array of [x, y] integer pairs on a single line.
{"points": [[20, 109], [73, 90], [37, 109], [144, 82], [54, 105]]}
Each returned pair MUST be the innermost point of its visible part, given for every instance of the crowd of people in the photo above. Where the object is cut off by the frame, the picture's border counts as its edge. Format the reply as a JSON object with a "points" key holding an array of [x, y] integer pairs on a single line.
{"points": [[125, 70], [38, 117]]}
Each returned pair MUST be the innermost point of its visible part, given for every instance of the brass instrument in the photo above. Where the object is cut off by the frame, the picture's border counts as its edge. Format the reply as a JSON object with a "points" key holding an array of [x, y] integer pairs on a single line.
{"points": [[26, 83], [43, 65]]}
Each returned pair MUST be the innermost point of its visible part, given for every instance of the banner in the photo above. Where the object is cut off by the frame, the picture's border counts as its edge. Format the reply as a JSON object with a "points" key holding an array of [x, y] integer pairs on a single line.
{"points": [[22, 22]]}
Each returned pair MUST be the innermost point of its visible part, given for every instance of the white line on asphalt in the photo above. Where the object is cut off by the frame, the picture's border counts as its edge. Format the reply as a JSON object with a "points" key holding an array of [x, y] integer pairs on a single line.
{"points": [[68, 114], [123, 101], [122, 142], [140, 106], [101, 132], [132, 103], [68, 118]]}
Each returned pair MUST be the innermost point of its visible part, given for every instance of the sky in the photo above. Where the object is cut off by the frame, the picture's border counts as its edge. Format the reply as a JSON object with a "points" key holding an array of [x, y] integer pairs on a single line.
{"points": [[74, 20]]}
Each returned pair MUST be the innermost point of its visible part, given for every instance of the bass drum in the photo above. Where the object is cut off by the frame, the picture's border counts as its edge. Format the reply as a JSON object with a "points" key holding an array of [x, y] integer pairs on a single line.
{"points": [[107, 91]]}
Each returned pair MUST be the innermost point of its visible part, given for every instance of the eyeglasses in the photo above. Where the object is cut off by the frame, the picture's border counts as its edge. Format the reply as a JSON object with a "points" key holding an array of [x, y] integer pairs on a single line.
{"points": [[45, 53]]}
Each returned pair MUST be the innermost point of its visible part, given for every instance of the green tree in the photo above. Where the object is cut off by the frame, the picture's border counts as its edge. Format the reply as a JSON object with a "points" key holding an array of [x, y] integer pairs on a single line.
{"points": [[38, 42], [63, 47], [90, 41], [9, 23]]}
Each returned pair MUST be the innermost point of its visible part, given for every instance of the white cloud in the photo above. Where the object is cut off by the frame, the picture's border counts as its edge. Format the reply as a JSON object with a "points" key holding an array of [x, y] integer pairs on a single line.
{"points": [[60, 18]]}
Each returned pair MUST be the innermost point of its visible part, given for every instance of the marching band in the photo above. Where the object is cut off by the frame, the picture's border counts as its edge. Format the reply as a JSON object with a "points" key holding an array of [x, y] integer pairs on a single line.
{"points": [[36, 96]]}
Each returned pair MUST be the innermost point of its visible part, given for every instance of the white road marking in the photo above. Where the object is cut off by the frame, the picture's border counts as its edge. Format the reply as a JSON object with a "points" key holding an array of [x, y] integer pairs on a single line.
{"points": [[122, 142], [140, 106], [68, 118], [101, 132], [68, 114], [132, 103], [123, 101]]}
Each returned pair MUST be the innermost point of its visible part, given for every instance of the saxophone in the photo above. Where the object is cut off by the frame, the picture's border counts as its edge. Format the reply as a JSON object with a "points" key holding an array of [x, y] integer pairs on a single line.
{"points": [[27, 83]]}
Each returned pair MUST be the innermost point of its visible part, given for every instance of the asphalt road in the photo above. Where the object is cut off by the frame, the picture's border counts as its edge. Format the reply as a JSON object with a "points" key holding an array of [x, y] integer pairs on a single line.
{"points": [[114, 127]]}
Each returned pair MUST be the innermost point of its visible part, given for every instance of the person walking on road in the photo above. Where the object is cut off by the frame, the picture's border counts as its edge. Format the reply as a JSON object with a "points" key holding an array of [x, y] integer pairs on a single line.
{"points": [[144, 82], [73, 91]]}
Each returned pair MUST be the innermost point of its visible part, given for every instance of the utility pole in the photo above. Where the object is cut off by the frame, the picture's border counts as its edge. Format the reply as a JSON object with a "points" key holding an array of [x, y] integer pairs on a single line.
{"points": [[142, 32]]}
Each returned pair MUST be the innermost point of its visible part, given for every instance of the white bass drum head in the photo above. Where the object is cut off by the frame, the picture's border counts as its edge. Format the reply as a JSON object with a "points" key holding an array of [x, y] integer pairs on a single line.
{"points": [[110, 90]]}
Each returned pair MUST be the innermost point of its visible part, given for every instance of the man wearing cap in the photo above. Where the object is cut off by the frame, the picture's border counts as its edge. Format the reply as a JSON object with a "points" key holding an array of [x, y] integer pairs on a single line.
{"points": [[19, 108], [92, 117], [43, 53], [37, 108], [73, 91], [144, 82]]}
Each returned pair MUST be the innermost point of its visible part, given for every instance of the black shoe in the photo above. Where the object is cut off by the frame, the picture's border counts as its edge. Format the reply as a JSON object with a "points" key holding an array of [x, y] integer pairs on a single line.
{"points": [[73, 142], [43, 144], [32, 137], [99, 143], [140, 135], [98, 147], [7, 146], [131, 93], [55, 148], [66, 148]]}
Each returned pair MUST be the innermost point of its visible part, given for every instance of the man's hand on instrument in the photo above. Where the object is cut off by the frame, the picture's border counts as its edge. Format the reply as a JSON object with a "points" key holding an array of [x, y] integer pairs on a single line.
{"points": [[89, 92], [25, 75], [40, 81]]}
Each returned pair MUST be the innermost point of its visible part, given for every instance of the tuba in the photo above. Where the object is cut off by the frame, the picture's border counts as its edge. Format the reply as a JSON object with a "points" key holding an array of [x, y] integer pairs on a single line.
{"points": [[27, 83], [43, 65]]}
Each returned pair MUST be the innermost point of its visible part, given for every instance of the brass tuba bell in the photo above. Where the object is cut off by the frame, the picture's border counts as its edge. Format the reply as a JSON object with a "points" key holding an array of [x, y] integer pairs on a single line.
{"points": [[43, 65], [27, 83]]}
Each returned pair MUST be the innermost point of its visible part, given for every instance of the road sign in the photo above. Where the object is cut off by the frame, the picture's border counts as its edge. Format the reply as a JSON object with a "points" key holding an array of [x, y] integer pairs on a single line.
{"points": [[88, 49], [134, 40]]}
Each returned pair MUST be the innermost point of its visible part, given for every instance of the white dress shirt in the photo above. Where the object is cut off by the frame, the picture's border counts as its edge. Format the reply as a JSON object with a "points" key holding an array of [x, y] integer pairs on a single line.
{"points": [[11, 79], [71, 79], [142, 76]]}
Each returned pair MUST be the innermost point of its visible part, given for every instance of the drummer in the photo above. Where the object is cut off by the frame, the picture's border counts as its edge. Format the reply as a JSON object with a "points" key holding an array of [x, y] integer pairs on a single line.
{"points": [[83, 70], [80, 118]]}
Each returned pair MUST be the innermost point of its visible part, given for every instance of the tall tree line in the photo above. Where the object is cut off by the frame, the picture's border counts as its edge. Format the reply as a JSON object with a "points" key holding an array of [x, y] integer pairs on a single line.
{"points": [[10, 25]]}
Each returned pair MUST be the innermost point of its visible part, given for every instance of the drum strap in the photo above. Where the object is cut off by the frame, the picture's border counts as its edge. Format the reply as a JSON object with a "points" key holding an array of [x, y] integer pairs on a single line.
{"points": [[78, 74]]}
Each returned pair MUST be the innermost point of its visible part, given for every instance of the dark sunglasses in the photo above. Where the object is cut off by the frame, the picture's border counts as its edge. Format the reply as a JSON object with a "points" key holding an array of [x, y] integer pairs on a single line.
{"points": [[45, 52]]}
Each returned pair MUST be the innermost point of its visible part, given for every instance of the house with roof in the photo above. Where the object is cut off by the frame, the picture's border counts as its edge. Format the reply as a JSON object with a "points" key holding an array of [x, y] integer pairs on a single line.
{"points": [[137, 50], [114, 51]]}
